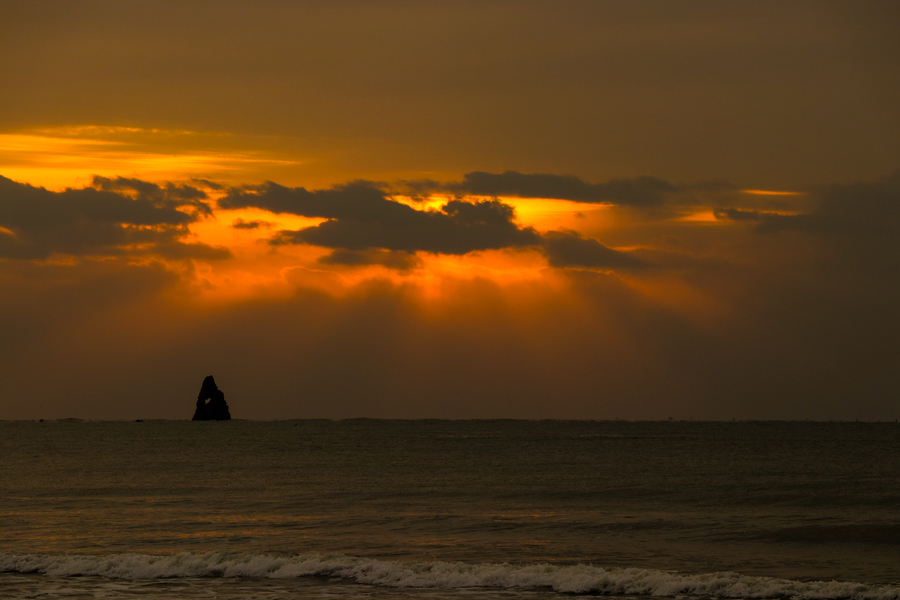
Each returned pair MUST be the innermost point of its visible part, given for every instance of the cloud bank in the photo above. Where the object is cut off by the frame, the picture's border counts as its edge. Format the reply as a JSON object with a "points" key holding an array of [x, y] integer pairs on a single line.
{"points": [[101, 221], [637, 191], [362, 217], [753, 314]]}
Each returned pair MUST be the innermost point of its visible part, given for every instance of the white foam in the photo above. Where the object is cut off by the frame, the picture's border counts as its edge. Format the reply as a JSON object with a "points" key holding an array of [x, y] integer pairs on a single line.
{"points": [[575, 579]]}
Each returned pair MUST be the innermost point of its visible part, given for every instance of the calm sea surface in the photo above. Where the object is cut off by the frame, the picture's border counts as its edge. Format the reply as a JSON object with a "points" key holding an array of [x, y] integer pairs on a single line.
{"points": [[449, 509]]}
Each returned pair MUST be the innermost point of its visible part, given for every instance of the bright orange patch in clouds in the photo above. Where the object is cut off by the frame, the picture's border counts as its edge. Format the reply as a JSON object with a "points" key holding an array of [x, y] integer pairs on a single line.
{"points": [[541, 213], [261, 269], [702, 216], [548, 213], [257, 268], [771, 193]]}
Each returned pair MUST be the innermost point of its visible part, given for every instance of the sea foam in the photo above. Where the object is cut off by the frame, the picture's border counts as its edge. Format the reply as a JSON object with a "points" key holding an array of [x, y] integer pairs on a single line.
{"points": [[572, 579]]}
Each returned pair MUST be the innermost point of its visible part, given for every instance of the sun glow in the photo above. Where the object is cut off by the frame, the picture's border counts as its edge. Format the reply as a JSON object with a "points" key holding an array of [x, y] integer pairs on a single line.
{"points": [[257, 268], [701, 216], [541, 213], [551, 213], [69, 156], [260, 268]]}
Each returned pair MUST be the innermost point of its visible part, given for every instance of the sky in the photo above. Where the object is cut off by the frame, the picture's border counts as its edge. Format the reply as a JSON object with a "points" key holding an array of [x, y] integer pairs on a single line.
{"points": [[493, 209]]}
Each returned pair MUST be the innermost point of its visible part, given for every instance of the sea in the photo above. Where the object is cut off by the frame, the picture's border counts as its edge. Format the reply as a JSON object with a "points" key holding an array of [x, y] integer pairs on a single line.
{"points": [[445, 509]]}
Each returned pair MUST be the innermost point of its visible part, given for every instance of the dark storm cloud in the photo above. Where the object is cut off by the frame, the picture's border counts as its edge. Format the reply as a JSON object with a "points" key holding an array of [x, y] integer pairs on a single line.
{"points": [[362, 217], [90, 221], [637, 191], [569, 249], [392, 259]]}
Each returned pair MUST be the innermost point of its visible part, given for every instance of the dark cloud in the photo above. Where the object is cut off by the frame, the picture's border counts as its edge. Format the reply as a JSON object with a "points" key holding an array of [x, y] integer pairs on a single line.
{"points": [[569, 249], [357, 201], [458, 228], [207, 183], [392, 259], [637, 191], [739, 214], [242, 224], [856, 210], [91, 221], [419, 189], [170, 195], [362, 217], [25, 206]]}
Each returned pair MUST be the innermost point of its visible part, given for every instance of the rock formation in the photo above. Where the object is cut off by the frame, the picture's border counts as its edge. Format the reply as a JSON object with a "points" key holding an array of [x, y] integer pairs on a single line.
{"points": [[214, 410]]}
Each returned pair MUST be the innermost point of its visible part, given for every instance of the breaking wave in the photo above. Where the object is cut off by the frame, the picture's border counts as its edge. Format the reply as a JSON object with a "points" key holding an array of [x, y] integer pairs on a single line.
{"points": [[572, 579]]}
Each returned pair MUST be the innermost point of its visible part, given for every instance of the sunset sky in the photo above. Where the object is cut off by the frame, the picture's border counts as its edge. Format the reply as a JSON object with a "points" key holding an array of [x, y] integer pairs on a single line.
{"points": [[633, 209]]}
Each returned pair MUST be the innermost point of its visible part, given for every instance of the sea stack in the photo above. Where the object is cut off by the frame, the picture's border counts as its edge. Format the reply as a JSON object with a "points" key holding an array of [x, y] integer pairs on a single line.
{"points": [[214, 410]]}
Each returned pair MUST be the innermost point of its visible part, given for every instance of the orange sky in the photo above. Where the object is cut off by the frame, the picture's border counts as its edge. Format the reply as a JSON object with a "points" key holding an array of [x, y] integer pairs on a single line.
{"points": [[591, 211], [68, 157]]}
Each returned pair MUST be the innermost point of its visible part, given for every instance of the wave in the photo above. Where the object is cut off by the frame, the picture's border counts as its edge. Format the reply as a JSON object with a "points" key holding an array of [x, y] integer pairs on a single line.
{"points": [[571, 579]]}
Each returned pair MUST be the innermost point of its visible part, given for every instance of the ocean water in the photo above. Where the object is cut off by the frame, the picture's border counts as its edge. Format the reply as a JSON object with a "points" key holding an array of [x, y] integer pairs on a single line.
{"points": [[449, 509]]}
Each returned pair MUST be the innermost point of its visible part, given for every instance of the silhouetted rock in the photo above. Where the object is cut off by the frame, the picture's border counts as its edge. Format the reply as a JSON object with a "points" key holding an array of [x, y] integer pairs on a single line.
{"points": [[214, 410]]}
